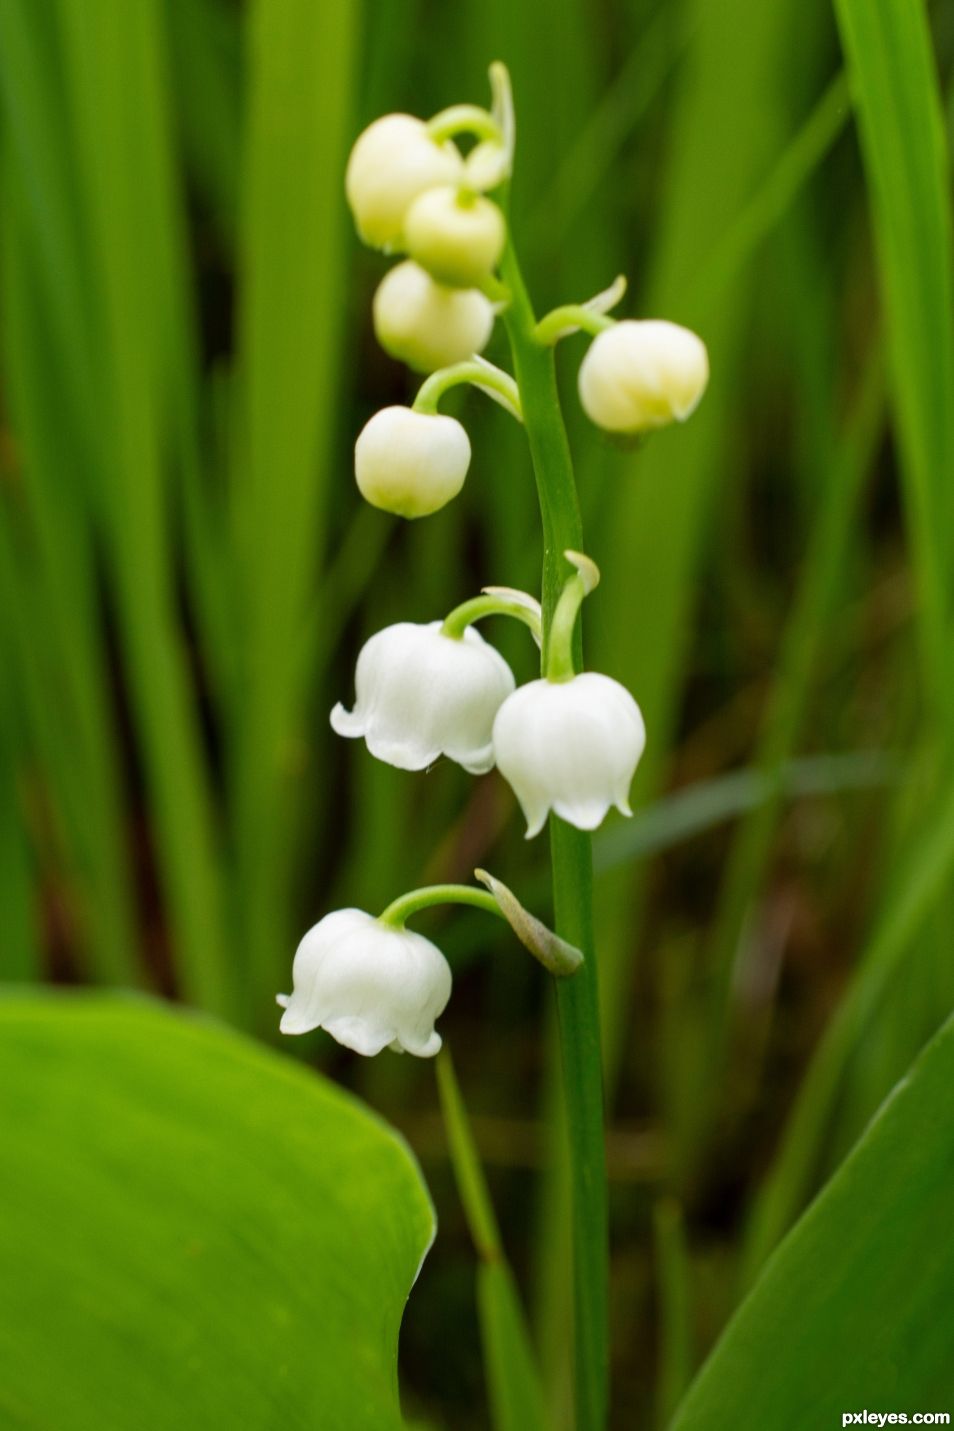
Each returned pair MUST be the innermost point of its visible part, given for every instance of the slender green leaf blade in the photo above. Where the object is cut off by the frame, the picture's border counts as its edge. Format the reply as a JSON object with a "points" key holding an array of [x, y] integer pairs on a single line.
{"points": [[888, 47], [291, 258], [853, 1311]]}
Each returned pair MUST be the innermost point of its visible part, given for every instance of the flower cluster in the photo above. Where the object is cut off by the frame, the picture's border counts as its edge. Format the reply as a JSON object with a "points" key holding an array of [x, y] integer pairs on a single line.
{"points": [[568, 743], [413, 192]]}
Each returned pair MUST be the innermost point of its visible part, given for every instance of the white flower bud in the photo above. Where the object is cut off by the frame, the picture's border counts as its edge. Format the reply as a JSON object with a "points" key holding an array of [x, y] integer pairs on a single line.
{"points": [[370, 985], [569, 746], [427, 325], [411, 463], [456, 235], [393, 161], [421, 694], [641, 375]]}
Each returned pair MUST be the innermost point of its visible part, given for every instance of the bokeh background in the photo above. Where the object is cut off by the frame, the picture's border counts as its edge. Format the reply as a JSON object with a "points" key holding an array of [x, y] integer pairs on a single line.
{"points": [[187, 574]]}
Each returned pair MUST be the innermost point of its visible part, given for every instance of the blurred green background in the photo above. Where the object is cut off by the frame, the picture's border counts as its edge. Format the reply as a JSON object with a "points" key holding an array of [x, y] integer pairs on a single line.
{"points": [[187, 574]]}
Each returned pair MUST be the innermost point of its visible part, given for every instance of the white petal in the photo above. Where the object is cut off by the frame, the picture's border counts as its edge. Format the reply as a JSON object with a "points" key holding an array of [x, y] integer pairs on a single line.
{"points": [[421, 694], [346, 723], [369, 985], [570, 746]]}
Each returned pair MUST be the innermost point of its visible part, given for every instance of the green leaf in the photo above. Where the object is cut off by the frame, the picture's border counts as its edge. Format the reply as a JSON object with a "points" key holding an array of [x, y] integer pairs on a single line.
{"points": [[513, 1378], [292, 258], [887, 45], [853, 1310], [194, 1232]]}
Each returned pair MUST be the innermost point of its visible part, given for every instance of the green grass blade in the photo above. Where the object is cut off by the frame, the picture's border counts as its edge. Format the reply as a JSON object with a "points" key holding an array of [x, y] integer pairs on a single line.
{"points": [[723, 142], [49, 578], [113, 55], [205, 50], [20, 957], [839, 1321], [801, 643], [888, 48], [516, 1394], [674, 1315], [291, 267], [773, 199], [923, 882]]}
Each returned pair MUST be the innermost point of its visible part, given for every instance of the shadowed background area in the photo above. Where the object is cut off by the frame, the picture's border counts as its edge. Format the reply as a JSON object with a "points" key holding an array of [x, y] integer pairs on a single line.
{"points": [[187, 574]]}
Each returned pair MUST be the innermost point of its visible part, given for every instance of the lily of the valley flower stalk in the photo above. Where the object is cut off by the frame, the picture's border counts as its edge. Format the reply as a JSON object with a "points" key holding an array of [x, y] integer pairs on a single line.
{"points": [[567, 742]]}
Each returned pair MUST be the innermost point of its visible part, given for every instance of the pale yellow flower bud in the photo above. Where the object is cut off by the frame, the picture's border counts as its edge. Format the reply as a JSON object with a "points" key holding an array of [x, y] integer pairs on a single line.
{"points": [[456, 235], [411, 463], [392, 162], [426, 324], [641, 375]]}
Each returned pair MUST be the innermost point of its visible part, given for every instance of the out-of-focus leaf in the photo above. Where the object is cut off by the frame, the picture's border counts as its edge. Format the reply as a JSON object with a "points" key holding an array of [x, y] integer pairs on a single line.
{"points": [[853, 1311], [892, 71], [194, 1232]]}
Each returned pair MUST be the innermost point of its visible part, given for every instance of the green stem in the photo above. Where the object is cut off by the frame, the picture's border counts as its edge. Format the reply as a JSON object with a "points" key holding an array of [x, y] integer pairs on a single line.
{"points": [[402, 908], [560, 664], [457, 621], [464, 119], [480, 374], [468, 1173], [570, 318], [572, 878]]}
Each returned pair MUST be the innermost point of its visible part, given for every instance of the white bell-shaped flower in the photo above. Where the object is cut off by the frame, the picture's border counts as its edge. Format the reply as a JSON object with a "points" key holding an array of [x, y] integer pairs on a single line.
{"points": [[569, 746], [411, 463], [370, 985], [421, 694], [426, 324], [392, 162], [641, 375], [458, 236]]}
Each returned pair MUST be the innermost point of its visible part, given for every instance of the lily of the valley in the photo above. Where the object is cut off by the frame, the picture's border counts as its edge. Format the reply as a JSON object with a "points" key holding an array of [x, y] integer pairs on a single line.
{"points": [[393, 161], [569, 746], [640, 375], [369, 984], [421, 693], [426, 324], [411, 463], [457, 235], [569, 743]]}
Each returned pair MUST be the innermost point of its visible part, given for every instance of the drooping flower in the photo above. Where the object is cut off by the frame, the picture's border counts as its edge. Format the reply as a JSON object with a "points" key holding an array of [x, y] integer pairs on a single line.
{"points": [[392, 162], [639, 375], [422, 694], [426, 324], [457, 235], [569, 746], [370, 985], [411, 463]]}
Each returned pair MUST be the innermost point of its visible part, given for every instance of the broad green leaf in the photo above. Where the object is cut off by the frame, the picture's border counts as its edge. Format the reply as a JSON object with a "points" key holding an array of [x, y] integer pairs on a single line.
{"points": [[853, 1310], [194, 1232]]}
